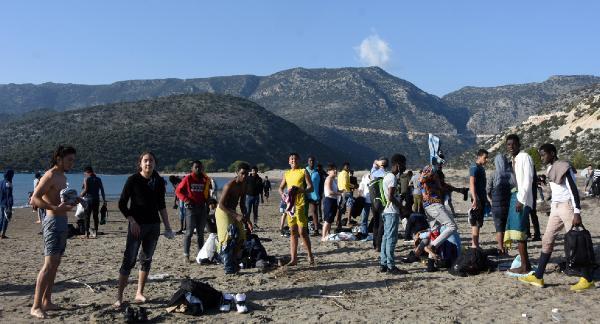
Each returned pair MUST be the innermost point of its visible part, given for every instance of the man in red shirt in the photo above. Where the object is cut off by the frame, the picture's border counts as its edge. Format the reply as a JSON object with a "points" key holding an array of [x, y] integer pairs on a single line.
{"points": [[193, 191]]}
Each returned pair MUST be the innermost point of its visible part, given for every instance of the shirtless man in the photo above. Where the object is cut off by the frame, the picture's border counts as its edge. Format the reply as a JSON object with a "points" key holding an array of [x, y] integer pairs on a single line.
{"points": [[231, 232], [55, 230]]}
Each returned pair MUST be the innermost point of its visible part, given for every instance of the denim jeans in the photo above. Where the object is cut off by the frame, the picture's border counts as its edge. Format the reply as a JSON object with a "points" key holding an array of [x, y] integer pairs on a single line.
{"points": [[390, 238], [195, 218], [364, 219], [228, 250], [252, 207]]}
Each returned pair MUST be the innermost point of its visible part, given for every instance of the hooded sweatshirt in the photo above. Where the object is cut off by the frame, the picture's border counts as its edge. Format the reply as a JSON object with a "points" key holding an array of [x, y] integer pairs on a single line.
{"points": [[6, 190]]}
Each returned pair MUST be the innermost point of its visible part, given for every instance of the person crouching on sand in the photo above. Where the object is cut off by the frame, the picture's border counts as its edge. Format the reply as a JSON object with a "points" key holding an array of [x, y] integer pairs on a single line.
{"points": [[144, 192]]}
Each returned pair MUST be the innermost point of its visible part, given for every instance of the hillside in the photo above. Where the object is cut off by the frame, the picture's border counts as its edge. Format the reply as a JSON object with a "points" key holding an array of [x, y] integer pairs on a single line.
{"points": [[493, 109], [204, 126], [571, 122], [364, 112]]}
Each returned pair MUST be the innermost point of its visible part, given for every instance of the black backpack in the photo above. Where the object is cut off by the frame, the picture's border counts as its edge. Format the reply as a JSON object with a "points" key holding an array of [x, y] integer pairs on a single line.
{"points": [[470, 262], [579, 249]]}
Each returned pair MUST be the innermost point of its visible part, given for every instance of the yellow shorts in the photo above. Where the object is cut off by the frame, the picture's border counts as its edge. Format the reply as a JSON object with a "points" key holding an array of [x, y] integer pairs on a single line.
{"points": [[223, 220], [300, 218]]}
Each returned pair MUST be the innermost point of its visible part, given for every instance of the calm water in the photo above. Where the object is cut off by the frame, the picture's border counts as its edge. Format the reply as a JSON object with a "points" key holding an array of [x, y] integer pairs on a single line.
{"points": [[113, 184]]}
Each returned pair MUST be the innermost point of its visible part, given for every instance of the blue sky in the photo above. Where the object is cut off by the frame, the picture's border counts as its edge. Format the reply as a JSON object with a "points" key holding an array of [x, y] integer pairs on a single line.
{"points": [[440, 46]]}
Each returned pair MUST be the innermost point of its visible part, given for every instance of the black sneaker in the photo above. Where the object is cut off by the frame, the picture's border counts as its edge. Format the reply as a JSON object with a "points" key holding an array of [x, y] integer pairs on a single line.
{"points": [[431, 265], [410, 258], [142, 315], [383, 268], [396, 271], [536, 239], [130, 315]]}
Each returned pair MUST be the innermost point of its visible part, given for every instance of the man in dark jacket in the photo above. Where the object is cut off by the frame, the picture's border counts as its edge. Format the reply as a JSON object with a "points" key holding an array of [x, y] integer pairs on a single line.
{"points": [[6, 201], [254, 188]]}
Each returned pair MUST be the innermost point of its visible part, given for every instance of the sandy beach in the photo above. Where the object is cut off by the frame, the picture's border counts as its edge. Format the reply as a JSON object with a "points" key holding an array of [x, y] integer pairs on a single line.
{"points": [[347, 272]]}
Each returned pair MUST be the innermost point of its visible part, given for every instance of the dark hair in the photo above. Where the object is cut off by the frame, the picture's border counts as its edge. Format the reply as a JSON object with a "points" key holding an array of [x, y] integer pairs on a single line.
{"points": [[60, 153], [88, 169], [482, 152], [254, 167], [243, 166], [346, 163], [514, 138], [38, 174], [174, 180], [196, 162], [212, 201], [142, 156], [398, 158], [331, 166], [548, 148], [311, 157], [294, 154]]}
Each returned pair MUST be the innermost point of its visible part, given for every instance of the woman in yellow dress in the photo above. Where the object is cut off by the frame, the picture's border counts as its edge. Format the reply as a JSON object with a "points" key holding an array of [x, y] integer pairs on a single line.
{"points": [[297, 180]]}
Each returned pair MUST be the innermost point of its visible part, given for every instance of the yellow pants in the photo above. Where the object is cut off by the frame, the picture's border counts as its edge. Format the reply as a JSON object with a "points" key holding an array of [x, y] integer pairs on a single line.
{"points": [[300, 218], [223, 220]]}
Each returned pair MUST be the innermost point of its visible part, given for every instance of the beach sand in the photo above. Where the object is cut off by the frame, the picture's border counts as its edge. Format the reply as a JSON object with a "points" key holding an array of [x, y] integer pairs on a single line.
{"points": [[347, 270]]}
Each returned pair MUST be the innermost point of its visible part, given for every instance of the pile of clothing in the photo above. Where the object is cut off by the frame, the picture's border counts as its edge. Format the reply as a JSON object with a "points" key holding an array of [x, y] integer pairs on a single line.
{"points": [[196, 298]]}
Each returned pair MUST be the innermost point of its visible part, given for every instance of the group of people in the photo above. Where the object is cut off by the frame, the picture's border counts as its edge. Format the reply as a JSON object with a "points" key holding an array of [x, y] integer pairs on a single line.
{"points": [[311, 194]]}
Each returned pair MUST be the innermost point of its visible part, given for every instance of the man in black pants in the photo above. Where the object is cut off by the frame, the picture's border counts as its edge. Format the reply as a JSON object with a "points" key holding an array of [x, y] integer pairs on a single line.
{"points": [[254, 188], [92, 188]]}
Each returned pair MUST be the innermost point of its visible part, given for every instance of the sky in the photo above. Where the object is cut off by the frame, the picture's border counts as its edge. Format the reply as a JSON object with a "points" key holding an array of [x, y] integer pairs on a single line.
{"points": [[440, 46]]}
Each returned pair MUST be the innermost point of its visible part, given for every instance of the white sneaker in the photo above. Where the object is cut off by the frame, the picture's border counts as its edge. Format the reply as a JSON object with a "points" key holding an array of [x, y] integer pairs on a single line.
{"points": [[240, 303]]}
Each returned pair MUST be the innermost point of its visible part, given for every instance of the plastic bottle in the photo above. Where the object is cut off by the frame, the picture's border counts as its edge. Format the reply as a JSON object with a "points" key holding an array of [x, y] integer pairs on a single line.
{"points": [[556, 317]]}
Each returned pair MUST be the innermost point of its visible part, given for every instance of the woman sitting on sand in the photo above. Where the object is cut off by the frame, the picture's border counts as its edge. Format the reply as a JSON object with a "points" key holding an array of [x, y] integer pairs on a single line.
{"points": [[141, 202]]}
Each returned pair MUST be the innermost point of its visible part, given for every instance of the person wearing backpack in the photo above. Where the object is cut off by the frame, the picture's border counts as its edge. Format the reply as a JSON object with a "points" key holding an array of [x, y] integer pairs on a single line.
{"points": [[565, 213], [377, 172]]}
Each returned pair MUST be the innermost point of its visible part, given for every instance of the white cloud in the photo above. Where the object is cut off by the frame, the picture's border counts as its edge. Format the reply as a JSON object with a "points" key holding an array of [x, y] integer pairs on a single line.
{"points": [[374, 51]]}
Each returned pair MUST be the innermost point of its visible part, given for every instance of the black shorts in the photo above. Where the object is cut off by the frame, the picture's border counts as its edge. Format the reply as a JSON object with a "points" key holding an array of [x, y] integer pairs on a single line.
{"points": [[329, 209], [500, 218], [476, 217]]}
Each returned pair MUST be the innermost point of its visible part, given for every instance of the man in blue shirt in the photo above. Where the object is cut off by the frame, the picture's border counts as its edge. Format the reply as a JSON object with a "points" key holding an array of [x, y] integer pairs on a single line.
{"points": [[6, 201], [313, 198]]}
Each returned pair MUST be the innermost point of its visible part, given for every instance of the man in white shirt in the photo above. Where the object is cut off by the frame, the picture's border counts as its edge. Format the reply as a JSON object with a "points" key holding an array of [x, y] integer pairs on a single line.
{"points": [[521, 202], [391, 216], [565, 213]]}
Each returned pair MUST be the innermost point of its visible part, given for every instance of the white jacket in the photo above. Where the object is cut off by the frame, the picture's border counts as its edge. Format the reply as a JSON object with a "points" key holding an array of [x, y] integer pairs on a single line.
{"points": [[523, 166]]}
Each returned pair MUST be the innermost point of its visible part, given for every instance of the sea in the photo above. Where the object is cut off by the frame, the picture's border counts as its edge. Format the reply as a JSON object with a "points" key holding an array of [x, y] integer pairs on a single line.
{"points": [[113, 185]]}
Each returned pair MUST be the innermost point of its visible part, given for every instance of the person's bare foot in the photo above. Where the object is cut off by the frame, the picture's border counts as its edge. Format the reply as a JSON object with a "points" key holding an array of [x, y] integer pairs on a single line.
{"points": [[312, 262], [38, 222], [49, 306], [38, 313], [520, 270], [139, 298], [292, 263], [118, 304]]}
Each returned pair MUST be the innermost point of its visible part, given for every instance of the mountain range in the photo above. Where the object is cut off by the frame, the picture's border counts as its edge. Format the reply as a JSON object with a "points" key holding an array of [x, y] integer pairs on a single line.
{"points": [[360, 113]]}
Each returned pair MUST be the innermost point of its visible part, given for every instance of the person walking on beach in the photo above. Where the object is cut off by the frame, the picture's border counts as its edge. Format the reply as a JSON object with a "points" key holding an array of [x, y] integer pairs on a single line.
{"points": [[477, 185], [194, 191], [391, 216], [298, 182], [6, 201], [313, 197], [267, 188], [565, 212], [254, 188], [47, 195], [142, 201], [363, 191], [378, 170], [92, 188], [178, 204], [499, 191], [330, 198], [231, 232], [521, 201]]}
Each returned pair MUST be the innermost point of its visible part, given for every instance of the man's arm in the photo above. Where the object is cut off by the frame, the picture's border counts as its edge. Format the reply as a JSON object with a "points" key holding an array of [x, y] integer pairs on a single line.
{"points": [[392, 195], [85, 188], [572, 186], [282, 186], [37, 199], [165, 219], [102, 191], [475, 203], [308, 181]]}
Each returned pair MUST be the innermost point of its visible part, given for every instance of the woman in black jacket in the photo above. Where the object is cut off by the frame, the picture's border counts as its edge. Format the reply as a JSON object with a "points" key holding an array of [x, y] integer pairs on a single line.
{"points": [[141, 202], [499, 189]]}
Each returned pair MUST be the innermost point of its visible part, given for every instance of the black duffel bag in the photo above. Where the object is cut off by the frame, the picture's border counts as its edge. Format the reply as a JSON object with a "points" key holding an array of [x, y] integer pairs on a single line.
{"points": [[579, 250]]}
